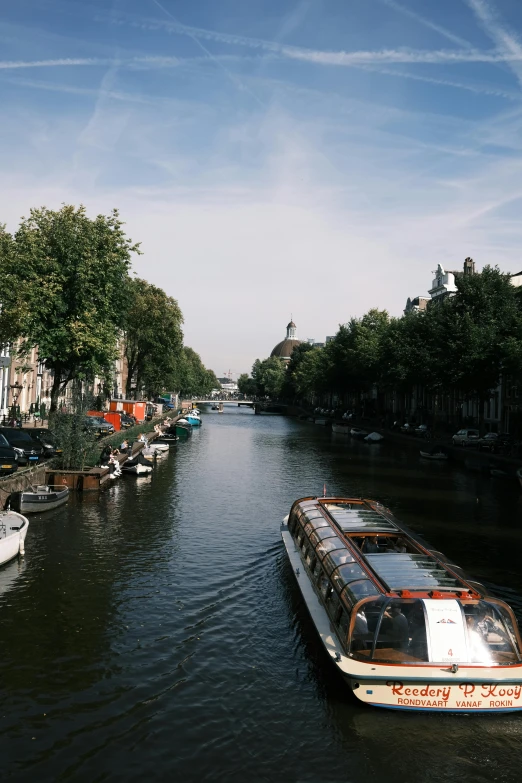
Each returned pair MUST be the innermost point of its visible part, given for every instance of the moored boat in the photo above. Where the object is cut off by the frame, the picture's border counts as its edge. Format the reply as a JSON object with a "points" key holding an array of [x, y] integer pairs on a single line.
{"points": [[341, 427], [374, 437], [183, 429], [136, 466], [194, 419], [38, 499], [436, 452], [406, 628], [356, 432], [13, 530]]}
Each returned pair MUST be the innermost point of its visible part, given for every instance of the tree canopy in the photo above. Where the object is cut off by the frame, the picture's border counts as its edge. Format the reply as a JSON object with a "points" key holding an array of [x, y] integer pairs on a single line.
{"points": [[153, 339], [63, 288]]}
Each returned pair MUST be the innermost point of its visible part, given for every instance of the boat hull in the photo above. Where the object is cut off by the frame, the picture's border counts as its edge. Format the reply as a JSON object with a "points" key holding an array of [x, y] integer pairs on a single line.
{"points": [[183, 433], [194, 421], [137, 470], [38, 502], [13, 543]]}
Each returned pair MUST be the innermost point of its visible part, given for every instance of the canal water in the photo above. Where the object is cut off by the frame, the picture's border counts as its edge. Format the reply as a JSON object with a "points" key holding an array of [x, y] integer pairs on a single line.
{"points": [[155, 632]]}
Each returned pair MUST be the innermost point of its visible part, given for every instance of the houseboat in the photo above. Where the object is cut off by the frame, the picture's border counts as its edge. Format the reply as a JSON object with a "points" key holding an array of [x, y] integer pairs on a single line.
{"points": [[406, 628]]}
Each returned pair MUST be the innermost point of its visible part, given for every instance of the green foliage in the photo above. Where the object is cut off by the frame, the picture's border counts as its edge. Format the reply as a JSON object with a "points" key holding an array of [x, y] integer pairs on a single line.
{"points": [[247, 386], [268, 376], [63, 289], [76, 441], [153, 339], [192, 378]]}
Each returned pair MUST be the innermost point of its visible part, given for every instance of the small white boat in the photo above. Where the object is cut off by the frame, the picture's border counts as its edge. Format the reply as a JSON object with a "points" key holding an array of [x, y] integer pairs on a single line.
{"points": [[343, 428], [435, 453], [137, 469], [355, 432], [13, 530], [162, 447], [39, 498], [374, 437]]}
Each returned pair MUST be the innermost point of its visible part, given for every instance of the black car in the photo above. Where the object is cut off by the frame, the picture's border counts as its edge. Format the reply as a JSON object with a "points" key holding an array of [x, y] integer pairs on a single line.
{"points": [[495, 442], [8, 458], [98, 425], [126, 421], [46, 439], [27, 449]]}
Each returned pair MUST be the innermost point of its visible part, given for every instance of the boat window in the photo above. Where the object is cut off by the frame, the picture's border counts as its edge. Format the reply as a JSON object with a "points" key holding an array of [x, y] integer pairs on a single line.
{"points": [[343, 624], [490, 634], [357, 590], [326, 532], [310, 557], [401, 633], [332, 604], [292, 522], [364, 625], [337, 558], [347, 573], [323, 584], [317, 523], [328, 545], [316, 569]]}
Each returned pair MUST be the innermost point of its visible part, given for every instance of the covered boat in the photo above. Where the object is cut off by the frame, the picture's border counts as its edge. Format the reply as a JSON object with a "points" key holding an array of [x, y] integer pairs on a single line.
{"points": [[38, 499], [136, 466], [406, 628], [13, 530], [374, 437]]}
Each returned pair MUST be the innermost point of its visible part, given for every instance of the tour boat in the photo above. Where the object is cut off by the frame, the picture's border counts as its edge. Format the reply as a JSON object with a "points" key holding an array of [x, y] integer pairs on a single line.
{"points": [[13, 530], [37, 499], [406, 628]]}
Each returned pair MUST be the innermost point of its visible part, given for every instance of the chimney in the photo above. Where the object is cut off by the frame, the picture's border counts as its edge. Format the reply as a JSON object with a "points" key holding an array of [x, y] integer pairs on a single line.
{"points": [[469, 266]]}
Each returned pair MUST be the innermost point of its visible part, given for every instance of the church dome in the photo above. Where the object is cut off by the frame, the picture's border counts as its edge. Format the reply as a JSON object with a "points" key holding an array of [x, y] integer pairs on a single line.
{"points": [[283, 350]]}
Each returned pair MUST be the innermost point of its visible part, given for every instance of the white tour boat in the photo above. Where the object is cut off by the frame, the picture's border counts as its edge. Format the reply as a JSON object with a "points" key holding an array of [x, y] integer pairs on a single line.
{"points": [[406, 628], [13, 530]]}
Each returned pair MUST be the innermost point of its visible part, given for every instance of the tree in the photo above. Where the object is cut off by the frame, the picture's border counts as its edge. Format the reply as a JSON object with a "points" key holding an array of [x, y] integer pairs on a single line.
{"points": [[268, 376], [246, 385], [153, 338], [192, 377], [63, 289]]}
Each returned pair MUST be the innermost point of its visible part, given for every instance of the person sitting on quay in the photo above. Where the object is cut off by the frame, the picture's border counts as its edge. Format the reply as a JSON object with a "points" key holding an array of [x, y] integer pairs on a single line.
{"points": [[124, 446]]}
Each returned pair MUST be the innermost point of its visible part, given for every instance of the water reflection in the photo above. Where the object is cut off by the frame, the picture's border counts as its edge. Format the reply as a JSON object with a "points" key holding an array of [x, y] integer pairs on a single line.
{"points": [[157, 630]]}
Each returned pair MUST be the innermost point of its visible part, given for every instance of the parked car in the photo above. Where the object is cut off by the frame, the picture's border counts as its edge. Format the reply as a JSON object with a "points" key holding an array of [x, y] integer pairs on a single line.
{"points": [[126, 421], [27, 449], [407, 428], [8, 458], [495, 441], [99, 425], [422, 431], [46, 439], [466, 438]]}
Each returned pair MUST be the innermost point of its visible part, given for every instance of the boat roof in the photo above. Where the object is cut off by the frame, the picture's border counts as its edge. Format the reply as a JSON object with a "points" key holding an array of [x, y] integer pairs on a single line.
{"points": [[418, 570]]}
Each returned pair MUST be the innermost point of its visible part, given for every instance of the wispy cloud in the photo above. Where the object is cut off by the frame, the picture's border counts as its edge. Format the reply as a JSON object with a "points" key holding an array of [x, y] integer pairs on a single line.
{"points": [[450, 36], [55, 63], [340, 58], [505, 39], [479, 89]]}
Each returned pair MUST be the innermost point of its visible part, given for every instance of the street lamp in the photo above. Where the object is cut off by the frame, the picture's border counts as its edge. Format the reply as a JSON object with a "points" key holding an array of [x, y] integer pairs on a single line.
{"points": [[16, 388]]}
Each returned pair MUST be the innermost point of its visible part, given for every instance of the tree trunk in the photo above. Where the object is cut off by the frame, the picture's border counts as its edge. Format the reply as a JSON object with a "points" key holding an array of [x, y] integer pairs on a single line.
{"points": [[55, 391]]}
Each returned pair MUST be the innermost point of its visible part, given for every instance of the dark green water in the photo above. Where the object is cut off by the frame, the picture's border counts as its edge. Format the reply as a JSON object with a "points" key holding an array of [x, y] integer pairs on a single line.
{"points": [[155, 632]]}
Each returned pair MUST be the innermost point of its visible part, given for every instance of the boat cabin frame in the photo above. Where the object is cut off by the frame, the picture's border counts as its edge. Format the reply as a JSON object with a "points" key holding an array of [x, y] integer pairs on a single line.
{"points": [[378, 581]]}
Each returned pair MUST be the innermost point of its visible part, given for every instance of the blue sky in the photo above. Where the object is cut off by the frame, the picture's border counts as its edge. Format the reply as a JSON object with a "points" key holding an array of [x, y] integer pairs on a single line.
{"points": [[313, 157]]}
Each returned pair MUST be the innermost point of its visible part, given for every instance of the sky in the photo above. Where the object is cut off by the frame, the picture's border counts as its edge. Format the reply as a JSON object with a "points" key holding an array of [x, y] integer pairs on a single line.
{"points": [[275, 158]]}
